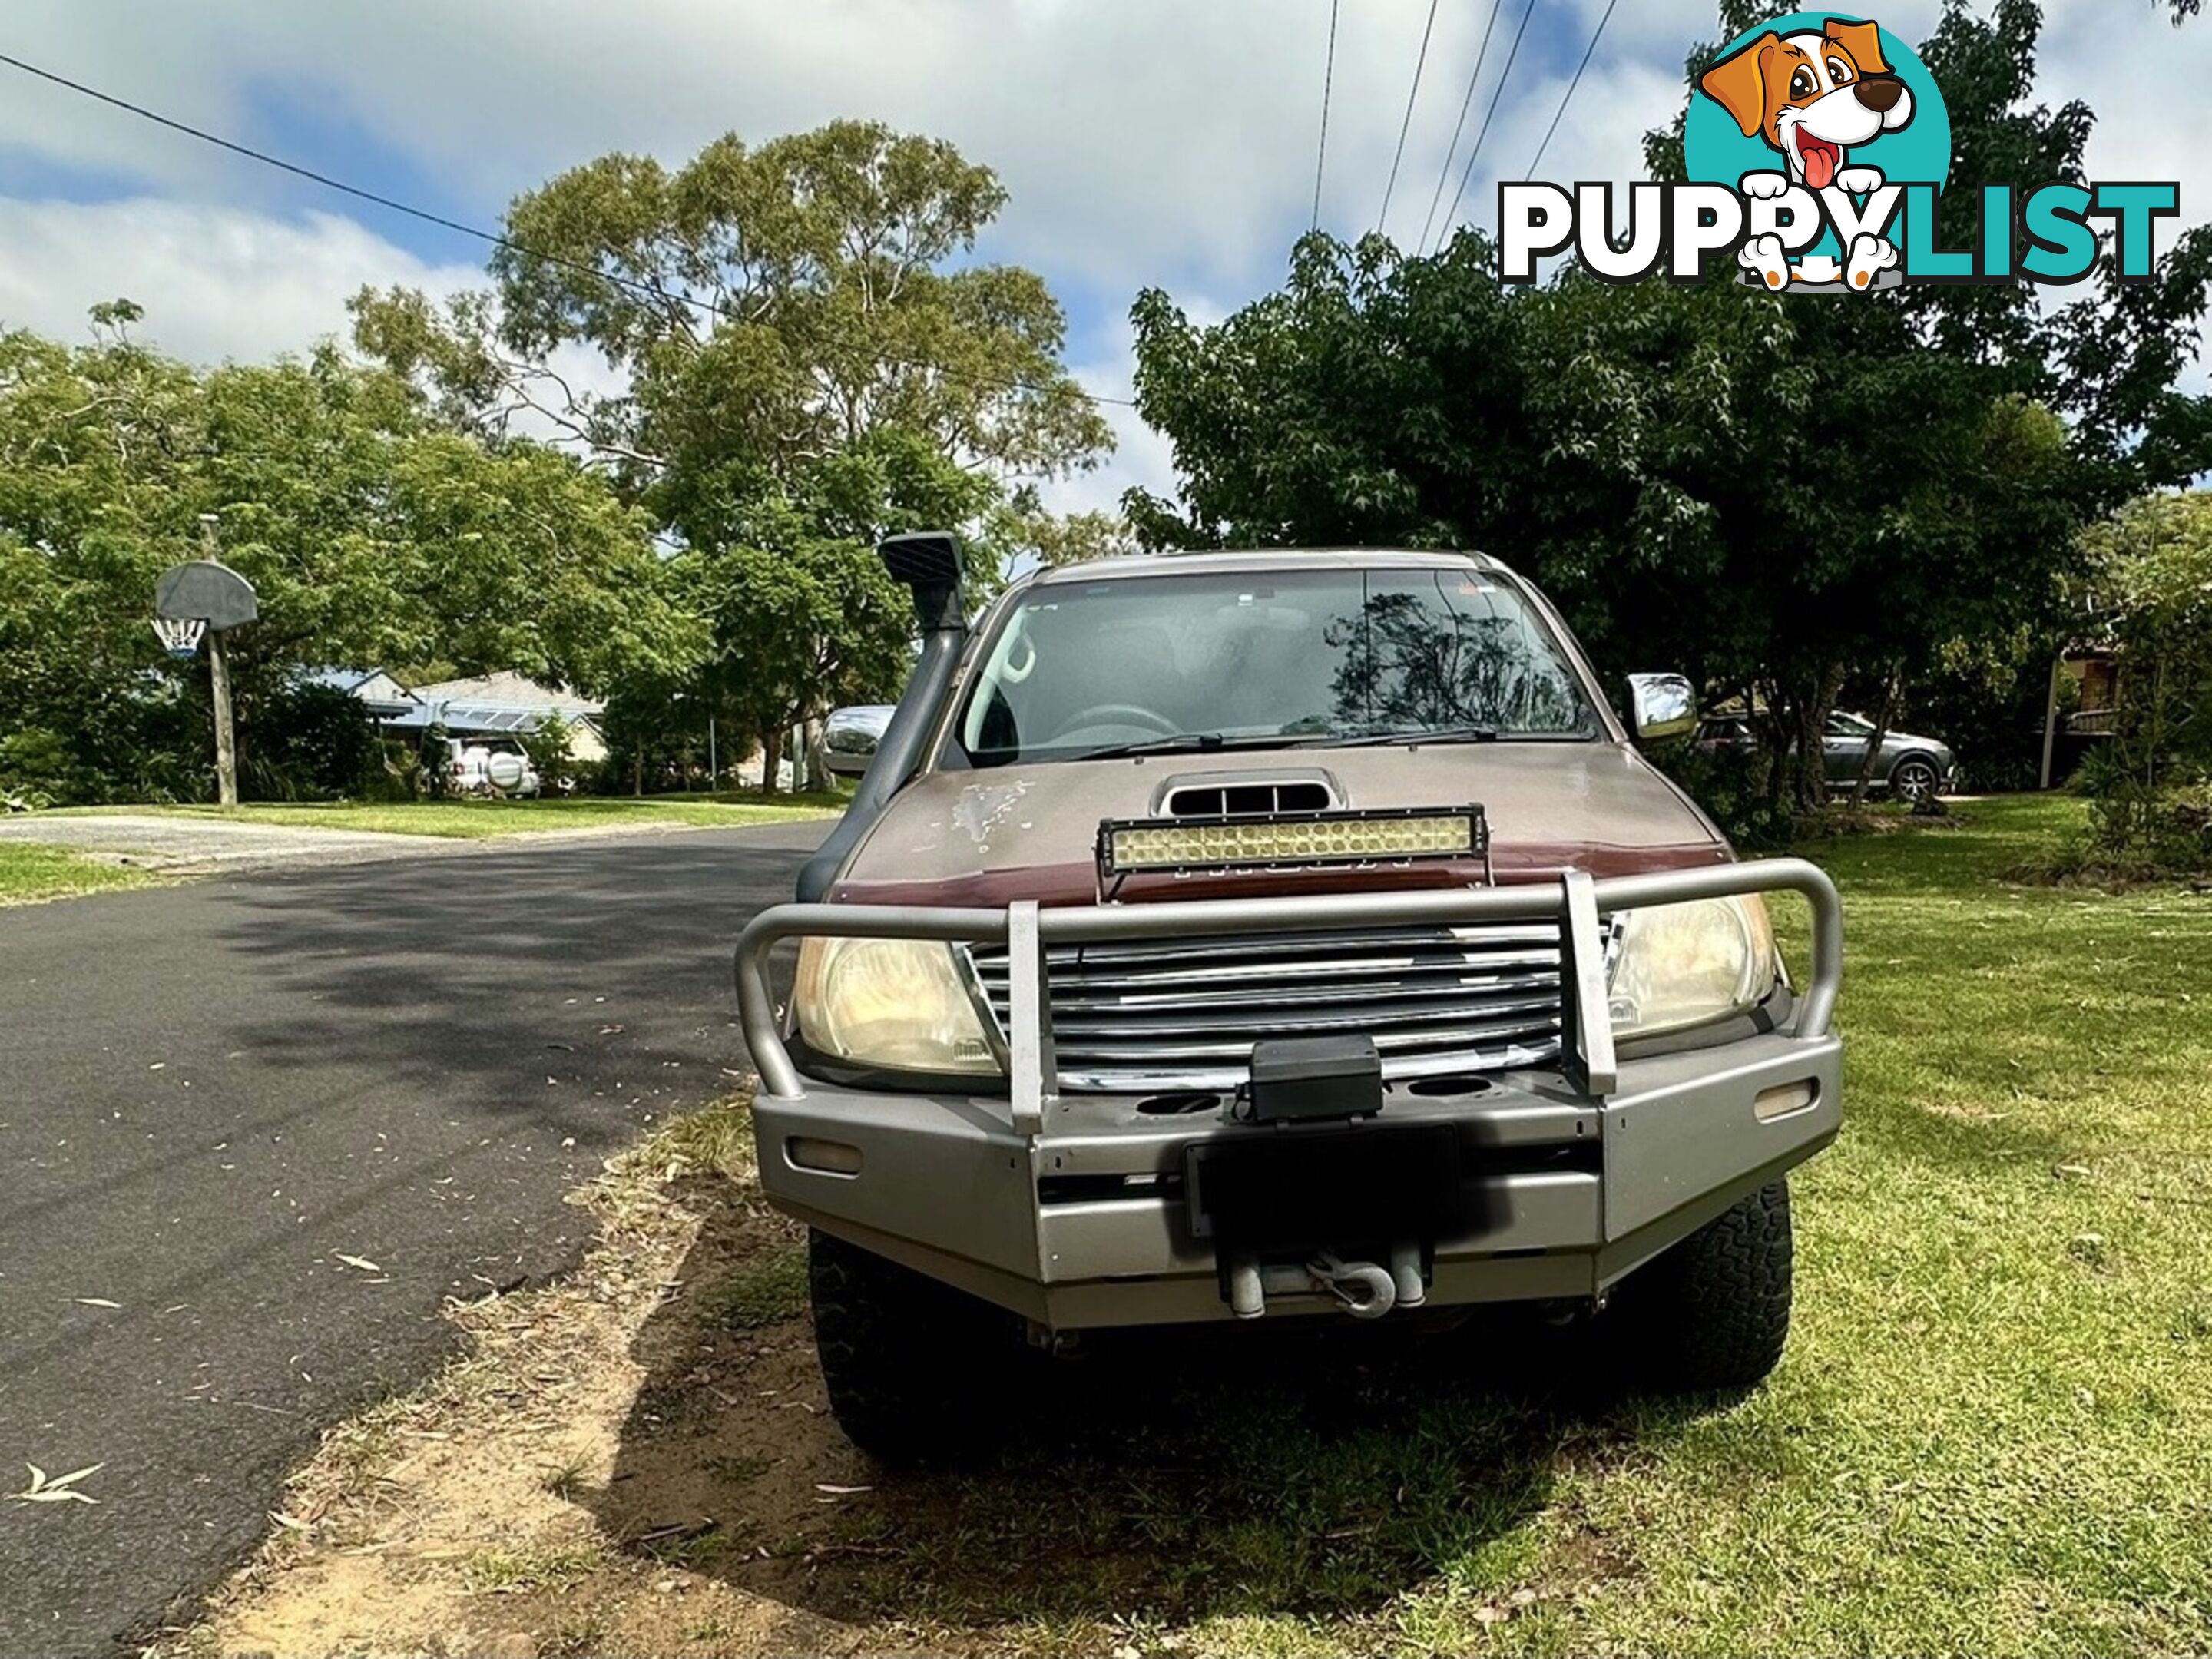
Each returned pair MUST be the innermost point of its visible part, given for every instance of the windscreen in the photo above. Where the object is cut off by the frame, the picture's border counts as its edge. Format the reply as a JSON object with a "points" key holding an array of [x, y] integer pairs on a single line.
{"points": [[1308, 657]]}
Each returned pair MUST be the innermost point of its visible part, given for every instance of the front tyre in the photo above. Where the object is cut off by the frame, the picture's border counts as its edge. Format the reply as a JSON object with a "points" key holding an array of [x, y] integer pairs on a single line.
{"points": [[917, 1371], [1713, 1311], [1915, 779]]}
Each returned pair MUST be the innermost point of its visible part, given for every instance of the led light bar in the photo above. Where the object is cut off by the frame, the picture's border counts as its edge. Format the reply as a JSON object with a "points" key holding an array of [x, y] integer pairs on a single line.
{"points": [[1392, 837]]}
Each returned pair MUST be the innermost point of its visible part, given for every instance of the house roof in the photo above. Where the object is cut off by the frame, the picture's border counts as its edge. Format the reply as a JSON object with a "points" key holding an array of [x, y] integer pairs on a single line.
{"points": [[361, 682], [510, 690], [338, 679], [460, 718], [492, 703], [486, 703]]}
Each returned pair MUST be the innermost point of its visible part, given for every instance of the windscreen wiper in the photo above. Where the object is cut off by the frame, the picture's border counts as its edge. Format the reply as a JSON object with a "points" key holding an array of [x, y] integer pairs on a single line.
{"points": [[1186, 742], [1447, 734]]}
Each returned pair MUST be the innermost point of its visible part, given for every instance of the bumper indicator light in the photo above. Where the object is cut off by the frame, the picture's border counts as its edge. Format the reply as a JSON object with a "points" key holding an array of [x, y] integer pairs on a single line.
{"points": [[1785, 1100]]}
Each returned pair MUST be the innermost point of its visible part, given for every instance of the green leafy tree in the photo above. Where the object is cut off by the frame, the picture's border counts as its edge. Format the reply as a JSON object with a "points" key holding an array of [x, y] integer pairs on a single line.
{"points": [[371, 534], [2150, 586], [1065, 538], [810, 361], [800, 625], [769, 308], [1776, 497]]}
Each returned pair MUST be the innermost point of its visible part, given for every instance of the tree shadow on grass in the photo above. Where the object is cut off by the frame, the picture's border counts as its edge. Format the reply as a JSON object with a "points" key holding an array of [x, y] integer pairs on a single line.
{"points": [[1319, 1469]]}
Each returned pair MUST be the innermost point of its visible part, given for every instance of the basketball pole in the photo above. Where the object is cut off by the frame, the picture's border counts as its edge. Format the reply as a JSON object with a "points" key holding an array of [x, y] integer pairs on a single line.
{"points": [[226, 748], [226, 743]]}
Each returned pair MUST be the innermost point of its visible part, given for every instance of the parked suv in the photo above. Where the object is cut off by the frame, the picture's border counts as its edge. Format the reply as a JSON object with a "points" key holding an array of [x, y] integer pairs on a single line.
{"points": [[489, 766], [1287, 935]]}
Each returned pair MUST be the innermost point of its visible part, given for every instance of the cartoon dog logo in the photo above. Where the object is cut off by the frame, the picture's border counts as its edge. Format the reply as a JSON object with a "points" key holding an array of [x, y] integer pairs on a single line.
{"points": [[1811, 96]]}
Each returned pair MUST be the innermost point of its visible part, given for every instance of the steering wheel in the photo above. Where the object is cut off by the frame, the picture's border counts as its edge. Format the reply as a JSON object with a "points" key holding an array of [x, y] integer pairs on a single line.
{"points": [[1095, 715]]}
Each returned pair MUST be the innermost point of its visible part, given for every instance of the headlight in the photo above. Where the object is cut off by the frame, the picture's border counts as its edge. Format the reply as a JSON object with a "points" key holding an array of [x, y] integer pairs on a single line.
{"points": [[1680, 965], [899, 1003]]}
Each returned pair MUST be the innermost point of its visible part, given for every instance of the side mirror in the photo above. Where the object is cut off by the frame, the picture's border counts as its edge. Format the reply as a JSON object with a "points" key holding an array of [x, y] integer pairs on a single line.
{"points": [[1662, 706], [850, 736]]}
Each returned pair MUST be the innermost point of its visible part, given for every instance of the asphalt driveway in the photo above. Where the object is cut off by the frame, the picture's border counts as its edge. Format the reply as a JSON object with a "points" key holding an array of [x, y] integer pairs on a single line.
{"points": [[212, 1094]]}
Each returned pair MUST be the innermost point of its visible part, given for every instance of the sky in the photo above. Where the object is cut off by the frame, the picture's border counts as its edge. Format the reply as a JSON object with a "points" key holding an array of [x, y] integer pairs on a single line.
{"points": [[1169, 143]]}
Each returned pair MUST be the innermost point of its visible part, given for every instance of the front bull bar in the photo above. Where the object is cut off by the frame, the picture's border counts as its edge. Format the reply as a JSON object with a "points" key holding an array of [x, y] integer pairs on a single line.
{"points": [[1575, 900]]}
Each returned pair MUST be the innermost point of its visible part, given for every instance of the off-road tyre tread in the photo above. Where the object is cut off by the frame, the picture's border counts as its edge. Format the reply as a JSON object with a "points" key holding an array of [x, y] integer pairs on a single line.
{"points": [[914, 1367], [1713, 1311]]}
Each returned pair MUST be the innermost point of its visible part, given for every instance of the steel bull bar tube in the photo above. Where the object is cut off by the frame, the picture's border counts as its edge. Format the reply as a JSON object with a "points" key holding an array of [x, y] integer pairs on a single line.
{"points": [[1575, 899]]}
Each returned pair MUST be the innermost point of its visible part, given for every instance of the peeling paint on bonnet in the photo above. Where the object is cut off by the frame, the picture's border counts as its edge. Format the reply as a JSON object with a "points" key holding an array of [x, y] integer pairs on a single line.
{"points": [[983, 807]]}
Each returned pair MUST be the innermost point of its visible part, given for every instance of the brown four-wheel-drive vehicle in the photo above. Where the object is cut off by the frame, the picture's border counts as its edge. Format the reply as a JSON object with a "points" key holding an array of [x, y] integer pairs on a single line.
{"points": [[1272, 936]]}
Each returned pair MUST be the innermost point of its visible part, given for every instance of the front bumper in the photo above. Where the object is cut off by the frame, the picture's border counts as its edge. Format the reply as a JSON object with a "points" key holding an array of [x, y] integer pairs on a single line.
{"points": [[1069, 1209]]}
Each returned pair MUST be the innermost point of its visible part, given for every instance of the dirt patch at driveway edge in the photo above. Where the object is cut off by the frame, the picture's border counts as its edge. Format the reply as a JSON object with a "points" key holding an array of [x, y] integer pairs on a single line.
{"points": [[485, 1513]]}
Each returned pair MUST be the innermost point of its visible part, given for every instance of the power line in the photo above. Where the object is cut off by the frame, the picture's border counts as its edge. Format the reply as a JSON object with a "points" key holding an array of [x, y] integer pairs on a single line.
{"points": [[1596, 35], [324, 179], [647, 290], [1405, 125], [1459, 126], [1497, 94], [1328, 80]]}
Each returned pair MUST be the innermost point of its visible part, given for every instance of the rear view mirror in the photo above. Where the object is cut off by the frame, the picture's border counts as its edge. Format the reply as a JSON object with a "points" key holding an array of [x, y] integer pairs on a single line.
{"points": [[849, 738], [1662, 706]]}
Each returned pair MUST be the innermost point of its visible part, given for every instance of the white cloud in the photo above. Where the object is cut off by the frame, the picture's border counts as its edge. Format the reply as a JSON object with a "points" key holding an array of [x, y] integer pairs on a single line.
{"points": [[2145, 80], [1139, 138], [1143, 140], [215, 282], [224, 283]]}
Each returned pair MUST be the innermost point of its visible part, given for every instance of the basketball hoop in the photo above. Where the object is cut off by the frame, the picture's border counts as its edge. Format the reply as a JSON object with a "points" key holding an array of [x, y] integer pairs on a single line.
{"points": [[199, 600], [180, 635]]}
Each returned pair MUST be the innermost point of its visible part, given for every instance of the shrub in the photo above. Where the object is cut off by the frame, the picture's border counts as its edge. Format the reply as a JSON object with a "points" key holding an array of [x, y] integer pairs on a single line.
{"points": [[395, 773], [36, 764], [307, 742], [155, 744], [1735, 789], [547, 746]]}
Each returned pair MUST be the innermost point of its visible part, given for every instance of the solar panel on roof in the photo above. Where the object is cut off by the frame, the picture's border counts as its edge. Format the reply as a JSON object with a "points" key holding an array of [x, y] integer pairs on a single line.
{"points": [[465, 717]]}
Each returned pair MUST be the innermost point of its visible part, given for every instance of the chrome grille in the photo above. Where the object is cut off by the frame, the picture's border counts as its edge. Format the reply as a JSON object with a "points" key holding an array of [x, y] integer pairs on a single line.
{"points": [[1184, 1013]]}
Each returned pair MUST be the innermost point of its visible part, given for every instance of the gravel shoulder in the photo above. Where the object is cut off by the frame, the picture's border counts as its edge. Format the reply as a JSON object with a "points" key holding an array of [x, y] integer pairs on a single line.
{"points": [[188, 846]]}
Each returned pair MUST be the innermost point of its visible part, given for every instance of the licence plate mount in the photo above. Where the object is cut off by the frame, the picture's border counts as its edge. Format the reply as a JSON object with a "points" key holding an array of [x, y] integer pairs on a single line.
{"points": [[1285, 1190]]}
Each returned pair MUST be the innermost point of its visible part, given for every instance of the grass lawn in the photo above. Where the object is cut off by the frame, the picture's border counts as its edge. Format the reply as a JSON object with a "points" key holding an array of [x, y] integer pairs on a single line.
{"points": [[29, 872], [1992, 1432], [471, 818]]}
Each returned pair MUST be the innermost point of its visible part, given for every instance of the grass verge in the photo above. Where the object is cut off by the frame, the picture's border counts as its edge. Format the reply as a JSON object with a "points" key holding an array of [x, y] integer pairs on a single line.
{"points": [[473, 818], [1992, 1432], [31, 872]]}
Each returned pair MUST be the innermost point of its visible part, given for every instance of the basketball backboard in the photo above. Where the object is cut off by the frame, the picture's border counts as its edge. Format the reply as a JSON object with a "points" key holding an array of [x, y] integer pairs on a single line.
{"points": [[204, 589]]}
